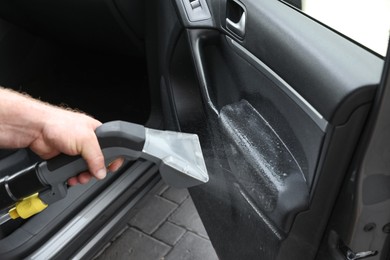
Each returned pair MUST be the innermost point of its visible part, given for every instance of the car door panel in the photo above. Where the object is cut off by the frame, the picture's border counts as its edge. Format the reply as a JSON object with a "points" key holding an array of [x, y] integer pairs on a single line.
{"points": [[279, 109], [265, 159]]}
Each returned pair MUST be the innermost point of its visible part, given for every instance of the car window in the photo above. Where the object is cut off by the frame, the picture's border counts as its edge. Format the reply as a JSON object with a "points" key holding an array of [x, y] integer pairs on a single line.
{"points": [[366, 22]]}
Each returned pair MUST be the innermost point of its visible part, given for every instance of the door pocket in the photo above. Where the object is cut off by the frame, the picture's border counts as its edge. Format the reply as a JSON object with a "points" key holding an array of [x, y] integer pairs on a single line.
{"points": [[263, 166]]}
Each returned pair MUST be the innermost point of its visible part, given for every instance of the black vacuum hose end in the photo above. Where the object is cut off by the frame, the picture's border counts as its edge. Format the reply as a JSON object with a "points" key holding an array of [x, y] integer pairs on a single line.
{"points": [[18, 186]]}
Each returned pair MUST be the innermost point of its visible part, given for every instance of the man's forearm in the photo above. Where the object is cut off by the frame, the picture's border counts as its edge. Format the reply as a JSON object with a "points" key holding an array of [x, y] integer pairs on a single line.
{"points": [[21, 118]]}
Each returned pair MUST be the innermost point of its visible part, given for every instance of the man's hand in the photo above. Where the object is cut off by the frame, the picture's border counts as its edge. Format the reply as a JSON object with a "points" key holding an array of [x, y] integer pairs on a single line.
{"points": [[49, 130]]}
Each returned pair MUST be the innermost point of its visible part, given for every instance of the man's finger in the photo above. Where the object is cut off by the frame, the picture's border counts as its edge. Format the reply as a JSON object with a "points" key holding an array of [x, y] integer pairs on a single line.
{"points": [[93, 155]]}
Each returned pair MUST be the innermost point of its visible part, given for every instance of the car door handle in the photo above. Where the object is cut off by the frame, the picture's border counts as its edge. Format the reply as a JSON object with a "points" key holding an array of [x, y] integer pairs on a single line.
{"points": [[237, 28], [236, 18]]}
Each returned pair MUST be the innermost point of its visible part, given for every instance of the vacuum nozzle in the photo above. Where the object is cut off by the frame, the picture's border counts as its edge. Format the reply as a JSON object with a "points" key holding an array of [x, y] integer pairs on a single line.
{"points": [[182, 164]]}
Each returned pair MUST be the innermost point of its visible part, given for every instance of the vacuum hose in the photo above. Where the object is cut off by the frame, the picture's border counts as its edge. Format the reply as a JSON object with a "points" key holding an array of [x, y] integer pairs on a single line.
{"points": [[20, 185], [178, 155]]}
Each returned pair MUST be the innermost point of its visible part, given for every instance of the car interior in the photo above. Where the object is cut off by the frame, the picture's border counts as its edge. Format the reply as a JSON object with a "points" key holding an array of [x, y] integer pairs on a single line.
{"points": [[279, 101], [89, 57]]}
